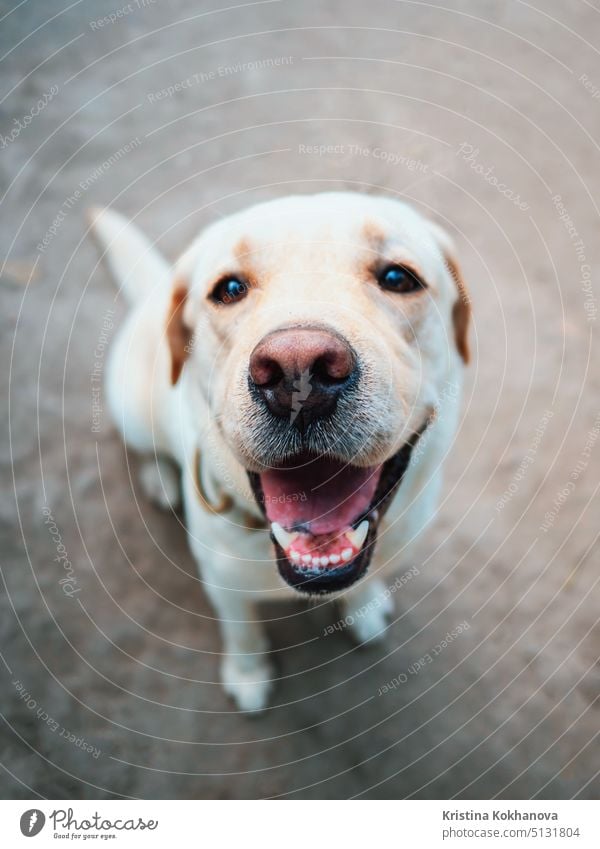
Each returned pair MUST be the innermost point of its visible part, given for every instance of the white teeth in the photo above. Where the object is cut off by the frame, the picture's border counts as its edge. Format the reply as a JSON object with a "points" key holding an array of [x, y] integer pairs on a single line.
{"points": [[355, 537], [284, 538], [358, 536]]}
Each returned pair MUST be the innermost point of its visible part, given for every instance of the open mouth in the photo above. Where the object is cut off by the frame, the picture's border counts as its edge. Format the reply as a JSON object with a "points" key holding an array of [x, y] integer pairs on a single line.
{"points": [[324, 515]]}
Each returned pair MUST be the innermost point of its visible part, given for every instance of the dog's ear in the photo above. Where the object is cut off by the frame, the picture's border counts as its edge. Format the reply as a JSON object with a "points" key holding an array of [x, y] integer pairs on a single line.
{"points": [[179, 334], [461, 311]]}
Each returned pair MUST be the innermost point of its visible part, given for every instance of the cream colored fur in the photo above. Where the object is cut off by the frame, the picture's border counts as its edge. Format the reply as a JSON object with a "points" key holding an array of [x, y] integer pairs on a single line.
{"points": [[309, 256]]}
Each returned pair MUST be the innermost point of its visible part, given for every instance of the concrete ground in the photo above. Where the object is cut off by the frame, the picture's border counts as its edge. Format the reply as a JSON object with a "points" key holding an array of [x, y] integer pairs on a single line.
{"points": [[481, 113]]}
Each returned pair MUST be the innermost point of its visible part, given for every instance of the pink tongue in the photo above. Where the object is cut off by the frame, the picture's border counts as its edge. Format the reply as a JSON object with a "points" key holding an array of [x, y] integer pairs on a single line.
{"points": [[322, 493]]}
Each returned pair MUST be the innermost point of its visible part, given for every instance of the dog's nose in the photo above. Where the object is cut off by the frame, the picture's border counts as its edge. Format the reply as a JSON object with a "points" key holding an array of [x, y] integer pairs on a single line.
{"points": [[301, 372]]}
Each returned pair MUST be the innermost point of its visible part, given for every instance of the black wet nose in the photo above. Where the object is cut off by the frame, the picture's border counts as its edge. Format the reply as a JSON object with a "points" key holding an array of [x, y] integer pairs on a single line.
{"points": [[301, 372]]}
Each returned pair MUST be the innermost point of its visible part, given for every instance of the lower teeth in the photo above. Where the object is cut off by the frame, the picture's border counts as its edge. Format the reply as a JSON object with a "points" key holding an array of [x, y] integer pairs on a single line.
{"points": [[356, 536], [314, 560]]}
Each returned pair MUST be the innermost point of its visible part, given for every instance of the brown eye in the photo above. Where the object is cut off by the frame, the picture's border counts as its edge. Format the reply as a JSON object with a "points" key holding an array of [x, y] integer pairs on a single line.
{"points": [[228, 290], [397, 278]]}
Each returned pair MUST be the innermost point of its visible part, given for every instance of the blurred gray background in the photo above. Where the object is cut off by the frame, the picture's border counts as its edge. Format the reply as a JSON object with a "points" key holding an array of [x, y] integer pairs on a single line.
{"points": [[177, 113]]}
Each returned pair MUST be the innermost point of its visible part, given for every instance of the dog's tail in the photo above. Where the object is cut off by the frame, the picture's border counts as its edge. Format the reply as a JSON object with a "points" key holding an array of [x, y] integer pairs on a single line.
{"points": [[134, 262]]}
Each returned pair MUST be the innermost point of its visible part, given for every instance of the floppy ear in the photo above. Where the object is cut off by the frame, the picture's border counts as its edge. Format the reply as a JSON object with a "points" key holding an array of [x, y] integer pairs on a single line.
{"points": [[179, 335], [461, 311]]}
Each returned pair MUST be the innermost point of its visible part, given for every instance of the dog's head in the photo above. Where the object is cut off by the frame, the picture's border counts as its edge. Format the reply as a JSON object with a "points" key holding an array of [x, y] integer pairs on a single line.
{"points": [[319, 330]]}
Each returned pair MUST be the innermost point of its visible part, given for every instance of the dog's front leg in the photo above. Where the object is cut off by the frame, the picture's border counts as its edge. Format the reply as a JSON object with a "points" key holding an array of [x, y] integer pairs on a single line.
{"points": [[367, 607], [246, 671]]}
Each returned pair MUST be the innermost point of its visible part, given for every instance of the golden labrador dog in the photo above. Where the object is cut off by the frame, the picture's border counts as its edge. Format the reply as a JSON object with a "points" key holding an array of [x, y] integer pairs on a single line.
{"points": [[301, 363]]}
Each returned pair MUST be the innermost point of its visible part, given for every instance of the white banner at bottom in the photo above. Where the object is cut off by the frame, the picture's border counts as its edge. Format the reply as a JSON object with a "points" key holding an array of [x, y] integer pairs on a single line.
{"points": [[294, 824]]}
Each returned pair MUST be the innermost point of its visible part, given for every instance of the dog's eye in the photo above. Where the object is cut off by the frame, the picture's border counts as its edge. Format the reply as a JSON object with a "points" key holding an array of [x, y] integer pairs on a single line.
{"points": [[228, 290], [396, 278]]}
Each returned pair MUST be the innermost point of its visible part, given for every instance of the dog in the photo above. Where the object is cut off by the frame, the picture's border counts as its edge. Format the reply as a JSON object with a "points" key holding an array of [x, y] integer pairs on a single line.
{"points": [[301, 364]]}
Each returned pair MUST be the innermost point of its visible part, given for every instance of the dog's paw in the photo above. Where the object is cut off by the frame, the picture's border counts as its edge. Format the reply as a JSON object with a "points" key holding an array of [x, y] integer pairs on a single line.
{"points": [[369, 628], [160, 482], [368, 620], [249, 686]]}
